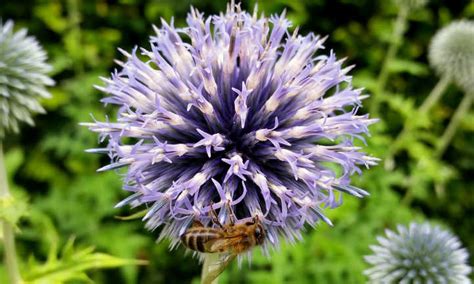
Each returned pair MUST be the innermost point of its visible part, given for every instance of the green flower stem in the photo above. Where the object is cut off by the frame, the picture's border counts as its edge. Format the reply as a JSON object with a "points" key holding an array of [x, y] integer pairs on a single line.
{"points": [[435, 94], [425, 107], [8, 232], [214, 264], [397, 36], [74, 21], [448, 134]]}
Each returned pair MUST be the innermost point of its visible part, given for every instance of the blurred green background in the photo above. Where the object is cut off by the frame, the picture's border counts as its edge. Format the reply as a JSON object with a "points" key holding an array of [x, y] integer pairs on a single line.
{"points": [[68, 199]]}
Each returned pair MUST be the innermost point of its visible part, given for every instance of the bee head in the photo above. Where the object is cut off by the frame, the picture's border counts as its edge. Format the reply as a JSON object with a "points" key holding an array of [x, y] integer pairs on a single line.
{"points": [[258, 232]]}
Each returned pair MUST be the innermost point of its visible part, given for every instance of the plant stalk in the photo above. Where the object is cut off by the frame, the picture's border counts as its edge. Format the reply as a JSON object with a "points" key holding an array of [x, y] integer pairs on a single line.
{"points": [[214, 264], [435, 94], [425, 107], [74, 21], [399, 30], [8, 230], [448, 134]]}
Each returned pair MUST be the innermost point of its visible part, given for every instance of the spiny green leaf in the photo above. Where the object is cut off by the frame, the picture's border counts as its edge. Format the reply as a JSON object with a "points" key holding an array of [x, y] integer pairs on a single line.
{"points": [[73, 265]]}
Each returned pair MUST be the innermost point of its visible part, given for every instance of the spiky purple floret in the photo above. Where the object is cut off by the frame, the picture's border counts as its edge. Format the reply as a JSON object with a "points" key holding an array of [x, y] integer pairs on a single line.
{"points": [[233, 108]]}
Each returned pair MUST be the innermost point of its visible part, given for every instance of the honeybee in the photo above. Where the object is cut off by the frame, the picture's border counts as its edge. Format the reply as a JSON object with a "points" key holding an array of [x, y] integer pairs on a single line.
{"points": [[232, 238]]}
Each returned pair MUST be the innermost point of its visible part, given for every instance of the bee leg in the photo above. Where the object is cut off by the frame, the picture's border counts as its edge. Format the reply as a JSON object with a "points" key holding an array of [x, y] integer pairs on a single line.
{"points": [[232, 216], [214, 218]]}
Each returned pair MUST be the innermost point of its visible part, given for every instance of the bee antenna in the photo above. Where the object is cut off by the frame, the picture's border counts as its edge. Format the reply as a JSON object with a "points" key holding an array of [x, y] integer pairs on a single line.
{"points": [[213, 215], [232, 216]]}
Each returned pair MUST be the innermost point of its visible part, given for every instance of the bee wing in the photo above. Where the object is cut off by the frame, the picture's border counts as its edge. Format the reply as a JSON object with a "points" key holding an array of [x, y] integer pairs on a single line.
{"points": [[224, 244]]}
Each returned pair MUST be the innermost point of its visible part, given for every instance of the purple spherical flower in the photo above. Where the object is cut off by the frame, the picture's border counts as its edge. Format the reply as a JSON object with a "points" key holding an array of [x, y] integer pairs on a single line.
{"points": [[234, 109]]}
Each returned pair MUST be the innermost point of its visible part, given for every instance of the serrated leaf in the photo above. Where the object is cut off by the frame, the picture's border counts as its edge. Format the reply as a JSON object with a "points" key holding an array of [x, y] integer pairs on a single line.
{"points": [[73, 265]]}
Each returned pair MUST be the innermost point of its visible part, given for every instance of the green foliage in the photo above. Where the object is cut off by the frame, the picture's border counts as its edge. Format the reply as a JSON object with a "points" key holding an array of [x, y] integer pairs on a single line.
{"points": [[72, 265], [67, 197], [12, 209]]}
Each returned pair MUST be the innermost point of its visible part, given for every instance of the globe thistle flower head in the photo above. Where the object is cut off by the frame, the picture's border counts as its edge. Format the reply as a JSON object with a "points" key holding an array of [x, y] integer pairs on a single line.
{"points": [[233, 109], [23, 78], [451, 53], [419, 253]]}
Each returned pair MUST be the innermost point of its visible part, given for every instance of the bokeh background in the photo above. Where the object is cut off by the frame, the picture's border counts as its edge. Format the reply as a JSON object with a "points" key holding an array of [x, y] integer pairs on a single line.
{"points": [[48, 166]]}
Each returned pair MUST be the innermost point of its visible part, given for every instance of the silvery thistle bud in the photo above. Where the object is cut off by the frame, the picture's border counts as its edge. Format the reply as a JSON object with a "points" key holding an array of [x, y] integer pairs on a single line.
{"points": [[451, 53], [234, 109], [419, 253], [23, 78]]}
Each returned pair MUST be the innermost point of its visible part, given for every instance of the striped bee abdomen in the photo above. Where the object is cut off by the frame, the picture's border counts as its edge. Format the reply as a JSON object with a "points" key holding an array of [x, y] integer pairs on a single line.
{"points": [[196, 238]]}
